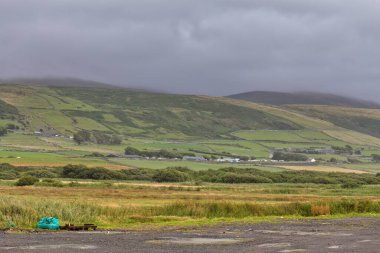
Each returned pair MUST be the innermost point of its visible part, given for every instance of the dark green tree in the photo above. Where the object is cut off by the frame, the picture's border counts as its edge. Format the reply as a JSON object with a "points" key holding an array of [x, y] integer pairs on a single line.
{"points": [[82, 136]]}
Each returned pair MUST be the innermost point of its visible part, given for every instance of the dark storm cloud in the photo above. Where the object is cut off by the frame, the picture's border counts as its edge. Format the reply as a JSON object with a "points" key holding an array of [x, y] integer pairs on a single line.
{"points": [[213, 47]]}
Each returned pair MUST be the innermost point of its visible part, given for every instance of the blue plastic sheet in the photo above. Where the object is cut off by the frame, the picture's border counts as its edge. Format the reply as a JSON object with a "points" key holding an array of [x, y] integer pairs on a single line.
{"points": [[48, 223]]}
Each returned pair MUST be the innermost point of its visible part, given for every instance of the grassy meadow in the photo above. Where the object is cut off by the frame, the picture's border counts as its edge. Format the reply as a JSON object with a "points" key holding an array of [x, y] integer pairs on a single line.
{"points": [[120, 205]]}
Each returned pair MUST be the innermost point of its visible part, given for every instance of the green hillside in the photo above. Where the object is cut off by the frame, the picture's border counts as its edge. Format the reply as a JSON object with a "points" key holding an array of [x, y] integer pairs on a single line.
{"points": [[134, 113], [362, 120], [66, 110], [349, 113], [48, 116], [7, 111], [307, 98]]}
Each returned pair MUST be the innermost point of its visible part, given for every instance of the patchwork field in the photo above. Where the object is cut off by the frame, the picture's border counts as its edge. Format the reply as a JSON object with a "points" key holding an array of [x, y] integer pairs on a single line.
{"points": [[322, 168], [21, 149]]}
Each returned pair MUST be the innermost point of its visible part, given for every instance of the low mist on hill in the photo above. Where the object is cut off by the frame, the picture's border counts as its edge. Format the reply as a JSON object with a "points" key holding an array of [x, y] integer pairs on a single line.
{"points": [[206, 47]]}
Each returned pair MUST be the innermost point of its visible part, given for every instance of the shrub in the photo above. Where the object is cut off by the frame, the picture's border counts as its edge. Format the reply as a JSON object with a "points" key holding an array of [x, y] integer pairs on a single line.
{"points": [[82, 136], [8, 175], [289, 157], [350, 185], [376, 157], [353, 160], [244, 158], [27, 180], [138, 174], [82, 172], [3, 131], [11, 126], [95, 154], [51, 183], [170, 175], [110, 139], [41, 174], [233, 178], [132, 151], [161, 153], [343, 150], [324, 180], [168, 154], [224, 175]]}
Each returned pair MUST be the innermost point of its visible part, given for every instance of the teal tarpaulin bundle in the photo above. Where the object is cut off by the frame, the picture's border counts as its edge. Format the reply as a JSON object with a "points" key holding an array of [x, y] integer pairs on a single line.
{"points": [[48, 223]]}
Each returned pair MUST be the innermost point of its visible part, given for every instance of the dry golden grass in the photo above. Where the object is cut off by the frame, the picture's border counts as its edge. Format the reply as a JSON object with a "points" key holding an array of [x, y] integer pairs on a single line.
{"points": [[149, 196], [318, 210], [137, 205], [343, 111], [305, 121], [321, 168], [353, 137]]}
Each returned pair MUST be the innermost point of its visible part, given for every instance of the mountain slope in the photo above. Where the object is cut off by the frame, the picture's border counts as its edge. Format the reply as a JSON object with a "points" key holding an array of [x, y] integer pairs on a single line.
{"points": [[362, 120], [57, 82], [66, 110], [131, 113], [7, 111], [283, 98]]}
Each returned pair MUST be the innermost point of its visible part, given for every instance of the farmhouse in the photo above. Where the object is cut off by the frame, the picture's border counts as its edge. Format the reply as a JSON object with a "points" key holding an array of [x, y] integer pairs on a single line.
{"points": [[194, 158], [228, 160]]}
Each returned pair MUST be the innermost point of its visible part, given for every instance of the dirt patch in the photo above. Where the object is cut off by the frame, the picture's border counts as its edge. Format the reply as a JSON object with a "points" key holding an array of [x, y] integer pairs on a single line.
{"points": [[275, 245], [196, 240], [51, 247], [292, 250], [301, 233]]}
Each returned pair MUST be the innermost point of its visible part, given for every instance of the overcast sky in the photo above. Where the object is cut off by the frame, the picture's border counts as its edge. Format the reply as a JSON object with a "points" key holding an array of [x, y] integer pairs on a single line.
{"points": [[214, 47]]}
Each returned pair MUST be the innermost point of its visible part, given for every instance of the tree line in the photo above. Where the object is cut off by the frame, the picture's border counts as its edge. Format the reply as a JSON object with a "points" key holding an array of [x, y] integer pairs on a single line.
{"points": [[229, 175]]}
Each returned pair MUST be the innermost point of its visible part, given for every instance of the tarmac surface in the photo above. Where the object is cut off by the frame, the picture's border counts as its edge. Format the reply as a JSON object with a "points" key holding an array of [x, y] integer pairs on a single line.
{"points": [[317, 235]]}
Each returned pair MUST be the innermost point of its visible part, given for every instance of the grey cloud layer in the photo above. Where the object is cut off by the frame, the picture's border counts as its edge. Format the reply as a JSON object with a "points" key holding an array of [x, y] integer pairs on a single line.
{"points": [[213, 47]]}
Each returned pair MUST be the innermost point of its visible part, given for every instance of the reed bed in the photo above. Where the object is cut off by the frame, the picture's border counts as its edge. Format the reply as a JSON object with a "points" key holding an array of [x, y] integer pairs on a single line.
{"points": [[24, 212]]}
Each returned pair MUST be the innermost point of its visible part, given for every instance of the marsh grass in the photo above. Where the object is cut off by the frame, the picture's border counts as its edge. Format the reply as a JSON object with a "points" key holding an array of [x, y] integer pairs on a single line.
{"points": [[24, 212], [113, 204], [241, 210]]}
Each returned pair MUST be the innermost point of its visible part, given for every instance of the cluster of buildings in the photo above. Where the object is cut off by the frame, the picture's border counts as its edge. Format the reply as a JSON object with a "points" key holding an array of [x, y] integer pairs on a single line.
{"points": [[316, 151], [202, 159]]}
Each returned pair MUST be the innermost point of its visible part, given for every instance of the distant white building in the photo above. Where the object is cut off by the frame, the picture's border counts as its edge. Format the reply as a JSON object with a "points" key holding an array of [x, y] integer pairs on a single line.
{"points": [[194, 158], [277, 161], [258, 160], [228, 160]]}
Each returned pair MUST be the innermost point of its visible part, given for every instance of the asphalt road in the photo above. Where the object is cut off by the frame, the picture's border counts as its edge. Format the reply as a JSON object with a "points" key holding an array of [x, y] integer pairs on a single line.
{"points": [[344, 235]]}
